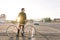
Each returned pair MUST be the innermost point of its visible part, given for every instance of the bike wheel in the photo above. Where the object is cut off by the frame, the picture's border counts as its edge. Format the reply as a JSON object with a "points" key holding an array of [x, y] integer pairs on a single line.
{"points": [[11, 31], [29, 31]]}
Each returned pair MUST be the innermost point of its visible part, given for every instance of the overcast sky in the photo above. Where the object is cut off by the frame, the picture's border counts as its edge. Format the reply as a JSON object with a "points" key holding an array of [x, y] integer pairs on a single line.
{"points": [[35, 9]]}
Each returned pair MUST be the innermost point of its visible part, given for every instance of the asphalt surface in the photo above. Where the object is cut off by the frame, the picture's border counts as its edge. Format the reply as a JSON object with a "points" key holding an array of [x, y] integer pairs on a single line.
{"points": [[53, 25], [44, 31]]}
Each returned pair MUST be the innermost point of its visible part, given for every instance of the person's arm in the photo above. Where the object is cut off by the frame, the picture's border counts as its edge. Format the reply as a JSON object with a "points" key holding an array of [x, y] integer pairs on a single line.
{"points": [[18, 15], [25, 16]]}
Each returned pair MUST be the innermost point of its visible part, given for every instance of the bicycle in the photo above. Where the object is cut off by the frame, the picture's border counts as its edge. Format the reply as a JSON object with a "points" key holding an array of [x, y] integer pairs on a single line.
{"points": [[12, 31]]}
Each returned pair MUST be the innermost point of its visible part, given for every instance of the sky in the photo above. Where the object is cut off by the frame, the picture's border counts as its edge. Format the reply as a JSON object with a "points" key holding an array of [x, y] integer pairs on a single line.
{"points": [[34, 9]]}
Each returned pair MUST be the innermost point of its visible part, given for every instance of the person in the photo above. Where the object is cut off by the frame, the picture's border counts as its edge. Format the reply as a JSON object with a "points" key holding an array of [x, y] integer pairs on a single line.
{"points": [[22, 16]]}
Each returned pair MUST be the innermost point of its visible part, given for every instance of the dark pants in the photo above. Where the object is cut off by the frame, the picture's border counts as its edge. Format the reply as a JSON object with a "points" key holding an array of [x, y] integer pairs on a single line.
{"points": [[22, 30], [17, 36]]}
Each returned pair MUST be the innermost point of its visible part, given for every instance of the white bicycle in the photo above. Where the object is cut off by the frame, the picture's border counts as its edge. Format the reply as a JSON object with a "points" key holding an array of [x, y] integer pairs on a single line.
{"points": [[12, 31]]}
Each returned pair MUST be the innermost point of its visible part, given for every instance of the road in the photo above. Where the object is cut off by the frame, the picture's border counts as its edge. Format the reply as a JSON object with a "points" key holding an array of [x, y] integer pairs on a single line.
{"points": [[53, 25], [50, 31]]}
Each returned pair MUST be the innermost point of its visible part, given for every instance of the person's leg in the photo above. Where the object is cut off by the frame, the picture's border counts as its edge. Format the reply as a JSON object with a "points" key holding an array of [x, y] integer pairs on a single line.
{"points": [[18, 30], [22, 30], [17, 36], [23, 37]]}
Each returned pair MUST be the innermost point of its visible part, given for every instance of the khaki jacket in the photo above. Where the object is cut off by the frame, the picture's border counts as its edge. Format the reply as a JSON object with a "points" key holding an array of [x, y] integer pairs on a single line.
{"points": [[22, 16]]}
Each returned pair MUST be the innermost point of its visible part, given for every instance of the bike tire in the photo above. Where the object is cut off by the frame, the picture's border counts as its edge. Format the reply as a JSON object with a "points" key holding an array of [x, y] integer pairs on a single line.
{"points": [[28, 31], [11, 31]]}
